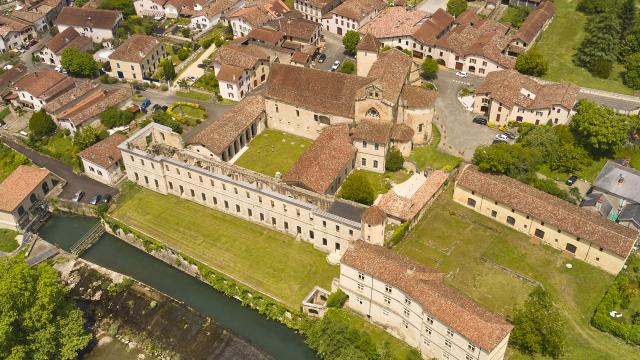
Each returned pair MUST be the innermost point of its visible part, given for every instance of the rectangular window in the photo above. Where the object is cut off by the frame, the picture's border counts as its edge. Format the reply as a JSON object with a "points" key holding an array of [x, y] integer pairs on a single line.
{"points": [[406, 312], [249, 212], [471, 347], [449, 332], [237, 208], [170, 185], [375, 164], [364, 162], [429, 319], [471, 202], [360, 287], [364, 144], [539, 233], [361, 276], [387, 288], [427, 330], [311, 235], [337, 228], [298, 230], [226, 204], [405, 323], [215, 201], [447, 343], [407, 301], [511, 221], [494, 213], [387, 300], [193, 193], [261, 217], [286, 225], [273, 221], [324, 241], [204, 197]]}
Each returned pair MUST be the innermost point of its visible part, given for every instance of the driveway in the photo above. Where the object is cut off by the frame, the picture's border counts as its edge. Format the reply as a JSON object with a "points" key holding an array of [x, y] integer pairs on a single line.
{"points": [[432, 6], [26, 57], [193, 69], [460, 136], [333, 49], [74, 181]]}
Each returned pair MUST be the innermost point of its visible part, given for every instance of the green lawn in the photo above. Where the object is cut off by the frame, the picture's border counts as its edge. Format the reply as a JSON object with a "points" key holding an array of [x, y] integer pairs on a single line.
{"points": [[193, 116], [273, 151], [263, 259], [379, 181], [453, 239], [8, 241], [194, 95], [429, 155], [515, 15], [9, 161], [3, 114], [561, 40]]}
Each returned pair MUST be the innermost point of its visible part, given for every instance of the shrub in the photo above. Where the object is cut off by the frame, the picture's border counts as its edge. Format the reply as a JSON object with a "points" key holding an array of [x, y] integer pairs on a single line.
{"points": [[350, 41], [601, 68], [183, 54], [357, 188], [347, 67], [395, 160], [398, 234], [429, 68], [337, 299], [531, 63], [41, 125]]}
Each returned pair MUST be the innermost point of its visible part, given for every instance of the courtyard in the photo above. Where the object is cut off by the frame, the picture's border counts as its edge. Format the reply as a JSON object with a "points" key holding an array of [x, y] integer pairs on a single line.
{"points": [[273, 151], [481, 257], [263, 259]]}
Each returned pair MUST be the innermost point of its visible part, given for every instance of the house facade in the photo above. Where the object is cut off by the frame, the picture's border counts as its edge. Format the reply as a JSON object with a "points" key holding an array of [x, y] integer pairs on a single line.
{"points": [[546, 218], [15, 33], [51, 53], [532, 27], [97, 24], [102, 161], [36, 89], [21, 195], [213, 13], [239, 69], [254, 15], [315, 10], [137, 57]]}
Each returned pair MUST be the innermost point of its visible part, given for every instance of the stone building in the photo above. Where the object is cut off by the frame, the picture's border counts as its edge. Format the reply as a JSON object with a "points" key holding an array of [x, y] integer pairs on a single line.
{"points": [[21, 195], [97, 24], [239, 69], [68, 39], [137, 58], [351, 15]]}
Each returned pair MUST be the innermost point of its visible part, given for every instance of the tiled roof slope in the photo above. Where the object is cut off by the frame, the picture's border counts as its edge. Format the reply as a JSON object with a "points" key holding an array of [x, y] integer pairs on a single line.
{"points": [[393, 22], [358, 9], [418, 97], [390, 71], [39, 82], [429, 32], [93, 103], [322, 163], [12, 75], [240, 56], [533, 24], [88, 17], [222, 132], [104, 153], [135, 48], [504, 86], [69, 38], [550, 209], [373, 131], [296, 28], [425, 286], [19, 184], [369, 42]]}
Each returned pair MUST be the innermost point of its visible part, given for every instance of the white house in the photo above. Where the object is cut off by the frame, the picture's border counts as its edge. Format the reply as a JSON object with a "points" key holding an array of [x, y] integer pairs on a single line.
{"points": [[51, 53], [211, 14], [240, 69], [253, 16], [14, 33], [351, 15], [36, 89], [97, 24], [103, 160]]}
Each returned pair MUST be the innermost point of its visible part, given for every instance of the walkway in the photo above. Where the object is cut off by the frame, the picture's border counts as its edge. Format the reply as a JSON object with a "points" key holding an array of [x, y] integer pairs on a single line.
{"points": [[193, 69]]}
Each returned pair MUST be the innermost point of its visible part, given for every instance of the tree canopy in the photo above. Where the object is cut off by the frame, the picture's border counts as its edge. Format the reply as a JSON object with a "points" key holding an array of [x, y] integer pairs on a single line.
{"points": [[38, 321], [456, 7], [114, 117], [531, 63], [124, 6], [356, 188], [602, 40], [88, 136], [333, 337], [598, 128], [79, 63], [348, 67], [165, 119], [429, 68], [350, 41], [631, 75], [511, 160], [394, 160], [168, 71], [41, 125]]}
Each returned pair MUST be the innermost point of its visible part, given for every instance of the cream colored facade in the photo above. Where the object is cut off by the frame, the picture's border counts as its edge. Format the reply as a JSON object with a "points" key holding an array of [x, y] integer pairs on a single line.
{"points": [[250, 79], [364, 61], [370, 156], [498, 114], [312, 12], [299, 121], [109, 176], [582, 249], [339, 24], [129, 70], [20, 217], [390, 308], [233, 190]]}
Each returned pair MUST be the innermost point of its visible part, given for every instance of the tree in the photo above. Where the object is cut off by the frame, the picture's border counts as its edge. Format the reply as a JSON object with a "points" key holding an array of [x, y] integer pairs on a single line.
{"points": [[41, 125], [356, 188], [350, 41], [511, 160], [542, 138], [630, 43], [348, 67], [456, 7], [124, 6], [600, 68], [87, 136], [209, 82], [38, 320], [165, 119], [79, 63], [598, 128], [570, 158], [333, 337], [429, 68], [168, 70], [538, 326], [593, 7], [394, 160], [631, 76], [628, 15], [531, 63], [183, 53], [602, 40], [183, 83], [114, 117]]}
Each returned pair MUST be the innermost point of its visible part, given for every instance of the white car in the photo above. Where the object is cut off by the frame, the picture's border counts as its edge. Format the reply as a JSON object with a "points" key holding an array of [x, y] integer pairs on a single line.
{"points": [[502, 137], [615, 314], [8, 67], [335, 65], [462, 74], [192, 78], [60, 69]]}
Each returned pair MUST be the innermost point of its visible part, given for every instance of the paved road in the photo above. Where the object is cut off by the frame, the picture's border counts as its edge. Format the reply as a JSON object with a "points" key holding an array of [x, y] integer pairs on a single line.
{"points": [[74, 181], [334, 50], [26, 57], [460, 136], [622, 103]]}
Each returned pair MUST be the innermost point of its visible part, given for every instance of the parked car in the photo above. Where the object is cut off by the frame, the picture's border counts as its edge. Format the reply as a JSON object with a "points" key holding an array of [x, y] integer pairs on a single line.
{"points": [[95, 200], [8, 67], [78, 196], [322, 58], [106, 198], [462, 74], [138, 87], [512, 134], [502, 137], [480, 120], [156, 107], [335, 66], [203, 66], [192, 78], [498, 141], [23, 133], [615, 314], [164, 107], [571, 180], [145, 105]]}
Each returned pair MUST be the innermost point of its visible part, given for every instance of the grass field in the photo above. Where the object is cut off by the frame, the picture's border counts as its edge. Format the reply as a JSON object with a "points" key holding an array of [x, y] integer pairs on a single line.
{"points": [[9, 161], [265, 260], [193, 95], [454, 239], [429, 155], [273, 151], [60, 146], [559, 43], [8, 241]]}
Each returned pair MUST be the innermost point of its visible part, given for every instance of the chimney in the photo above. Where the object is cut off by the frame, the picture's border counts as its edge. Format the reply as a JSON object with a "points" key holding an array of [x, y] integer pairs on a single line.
{"points": [[411, 270], [626, 162], [620, 179]]}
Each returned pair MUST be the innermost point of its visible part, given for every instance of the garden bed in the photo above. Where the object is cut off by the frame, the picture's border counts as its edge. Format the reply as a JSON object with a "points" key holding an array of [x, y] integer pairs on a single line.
{"points": [[187, 113]]}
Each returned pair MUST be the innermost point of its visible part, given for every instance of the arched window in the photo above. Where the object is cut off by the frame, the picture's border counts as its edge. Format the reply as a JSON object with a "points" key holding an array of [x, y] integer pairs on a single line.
{"points": [[33, 198], [20, 211], [373, 113]]}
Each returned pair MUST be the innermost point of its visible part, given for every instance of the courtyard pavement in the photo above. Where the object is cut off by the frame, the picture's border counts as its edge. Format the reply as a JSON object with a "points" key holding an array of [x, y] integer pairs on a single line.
{"points": [[334, 50]]}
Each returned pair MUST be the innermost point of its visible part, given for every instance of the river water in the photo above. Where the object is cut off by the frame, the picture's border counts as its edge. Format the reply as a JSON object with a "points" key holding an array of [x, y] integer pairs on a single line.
{"points": [[112, 253]]}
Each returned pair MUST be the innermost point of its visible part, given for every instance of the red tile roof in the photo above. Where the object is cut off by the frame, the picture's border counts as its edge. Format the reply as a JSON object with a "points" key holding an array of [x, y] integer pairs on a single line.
{"points": [[89, 17], [373, 131], [368, 42], [69, 38], [358, 9], [19, 185], [373, 216], [407, 208], [266, 35], [136, 48], [418, 97], [40, 82], [104, 153], [394, 21], [536, 20]]}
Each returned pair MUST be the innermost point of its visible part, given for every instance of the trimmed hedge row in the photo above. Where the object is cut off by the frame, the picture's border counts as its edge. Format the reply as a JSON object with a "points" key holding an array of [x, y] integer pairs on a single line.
{"points": [[148, 243]]}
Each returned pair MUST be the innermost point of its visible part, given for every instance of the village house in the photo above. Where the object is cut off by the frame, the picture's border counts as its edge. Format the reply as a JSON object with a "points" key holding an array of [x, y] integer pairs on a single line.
{"points": [[136, 58], [532, 27], [51, 53], [15, 33], [36, 89], [298, 31], [546, 218], [254, 15], [371, 139], [239, 69], [38, 20], [507, 95], [8, 78], [412, 302], [21, 195], [315, 10], [351, 15], [103, 161], [49, 8], [213, 12], [97, 24], [151, 8]]}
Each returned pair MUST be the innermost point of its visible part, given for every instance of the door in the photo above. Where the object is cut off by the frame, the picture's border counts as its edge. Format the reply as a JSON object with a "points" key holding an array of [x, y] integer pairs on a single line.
{"points": [[120, 75], [459, 66], [339, 31]]}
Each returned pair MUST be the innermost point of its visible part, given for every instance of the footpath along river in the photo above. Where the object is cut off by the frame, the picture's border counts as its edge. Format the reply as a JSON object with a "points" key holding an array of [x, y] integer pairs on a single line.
{"points": [[112, 253]]}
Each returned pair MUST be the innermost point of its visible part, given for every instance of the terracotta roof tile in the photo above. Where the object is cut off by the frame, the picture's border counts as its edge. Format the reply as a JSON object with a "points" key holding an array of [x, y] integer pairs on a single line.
{"points": [[390, 71], [13, 74], [417, 97], [104, 153], [300, 29], [406, 208], [300, 57], [89, 17], [81, 89], [92, 104], [69, 38], [8, 24], [19, 185], [229, 73], [394, 21], [373, 131], [373, 216], [358, 9], [369, 42], [536, 20], [241, 56], [135, 48], [550, 209], [39, 82], [425, 286], [266, 35], [401, 133], [28, 16]]}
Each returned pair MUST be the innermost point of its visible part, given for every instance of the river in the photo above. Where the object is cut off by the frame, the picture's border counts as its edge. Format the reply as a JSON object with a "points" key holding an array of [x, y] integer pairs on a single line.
{"points": [[112, 253]]}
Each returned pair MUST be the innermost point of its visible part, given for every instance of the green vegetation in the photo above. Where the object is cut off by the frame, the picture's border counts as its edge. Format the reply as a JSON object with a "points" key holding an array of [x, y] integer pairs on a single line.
{"points": [[41, 125], [9, 161], [347, 67], [532, 63], [394, 160], [266, 260], [187, 113], [429, 68], [165, 119], [124, 6], [3, 113], [59, 146], [208, 82], [622, 296], [428, 156], [350, 41], [143, 25], [455, 240], [559, 43], [194, 95], [8, 241], [359, 187], [38, 320], [515, 15], [79, 63], [385, 342], [456, 7], [166, 70], [337, 299], [113, 117], [272, 151], [88, 136]]}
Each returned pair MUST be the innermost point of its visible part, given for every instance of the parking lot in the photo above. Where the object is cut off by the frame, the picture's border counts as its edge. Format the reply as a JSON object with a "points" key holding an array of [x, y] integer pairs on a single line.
{"points": [[334, 50]]}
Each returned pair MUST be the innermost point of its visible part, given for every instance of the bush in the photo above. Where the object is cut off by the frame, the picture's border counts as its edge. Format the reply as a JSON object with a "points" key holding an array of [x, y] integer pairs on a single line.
{"points": [[183, 54], [337, 299], [165, 119], [208, 82], [177, 116], [350, 41], [114, 117], [348, 67], [531, 63], [601, 68], [398, 234], [41, 125], [429, 68], [395, 160], [106, 79], [357, 188]]}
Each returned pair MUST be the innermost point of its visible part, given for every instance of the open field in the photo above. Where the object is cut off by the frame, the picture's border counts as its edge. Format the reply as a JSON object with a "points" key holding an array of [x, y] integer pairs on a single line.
{"points": [[559, 43], [8, 241], [265, 260], [429, 155], [273, 151], [454, 239]]}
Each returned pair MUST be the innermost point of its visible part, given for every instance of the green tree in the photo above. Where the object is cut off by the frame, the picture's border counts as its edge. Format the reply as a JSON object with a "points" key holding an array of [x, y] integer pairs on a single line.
{"points": [[356, 188], [337, 299], [631, 76], [87, 136], [79, 63], [600, 68], [570, 158], [38, 320], [350, 41], [113, 117], [165, 119], [348, 67], [630, 43], [628, 13], [593, 7], [168, 70], [429, 68], [542, 138], [511, 160], [538, 326], [333, 337], [602, 40], [124, 6], [183, 83], [516, 15], [531, 63], [456, 7], [598, 128], [413, 354], [394, 160], [41, 125], [209, 82], [183, 53]]}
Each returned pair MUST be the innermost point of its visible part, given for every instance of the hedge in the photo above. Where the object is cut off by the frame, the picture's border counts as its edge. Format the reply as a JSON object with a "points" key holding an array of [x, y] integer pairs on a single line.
{"points": [[179, 117]]}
